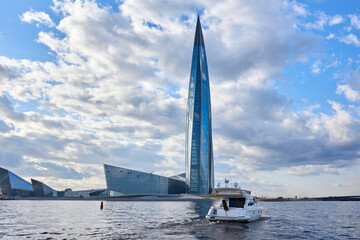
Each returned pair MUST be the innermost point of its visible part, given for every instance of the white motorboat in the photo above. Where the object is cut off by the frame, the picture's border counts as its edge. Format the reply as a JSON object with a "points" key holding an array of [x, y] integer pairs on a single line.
{"points": [[236, 205]]}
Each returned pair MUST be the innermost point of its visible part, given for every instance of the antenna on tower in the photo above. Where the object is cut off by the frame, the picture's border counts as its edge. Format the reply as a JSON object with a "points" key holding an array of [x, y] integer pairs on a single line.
{"points": [[230, 179]]}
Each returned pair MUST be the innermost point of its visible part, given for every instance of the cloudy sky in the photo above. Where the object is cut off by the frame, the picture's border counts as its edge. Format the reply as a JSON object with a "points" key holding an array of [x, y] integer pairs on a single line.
{"points": [[84, 83]]}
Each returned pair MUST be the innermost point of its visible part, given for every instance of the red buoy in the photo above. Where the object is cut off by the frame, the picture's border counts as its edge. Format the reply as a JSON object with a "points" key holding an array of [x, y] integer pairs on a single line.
{"points": [[101, 205]]}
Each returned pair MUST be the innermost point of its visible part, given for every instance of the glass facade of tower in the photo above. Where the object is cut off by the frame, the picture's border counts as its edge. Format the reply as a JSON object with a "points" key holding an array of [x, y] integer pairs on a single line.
{"points": [[199, 161]]}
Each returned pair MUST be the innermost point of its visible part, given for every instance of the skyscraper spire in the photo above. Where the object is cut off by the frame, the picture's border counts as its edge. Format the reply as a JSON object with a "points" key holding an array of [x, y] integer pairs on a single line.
{"points": [[199, 163], [199, 39]]}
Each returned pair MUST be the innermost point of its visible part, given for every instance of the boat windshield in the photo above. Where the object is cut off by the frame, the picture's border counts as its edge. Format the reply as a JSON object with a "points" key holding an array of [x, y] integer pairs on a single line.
{"points": [[237, 202]]}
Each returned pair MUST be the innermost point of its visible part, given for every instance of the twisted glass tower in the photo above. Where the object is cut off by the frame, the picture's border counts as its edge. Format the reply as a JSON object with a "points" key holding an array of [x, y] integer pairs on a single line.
{"points": [[199, 160]]}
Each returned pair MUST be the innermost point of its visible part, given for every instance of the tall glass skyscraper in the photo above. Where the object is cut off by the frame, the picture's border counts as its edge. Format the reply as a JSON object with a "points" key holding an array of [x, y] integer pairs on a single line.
{"points": [[199, 159]]}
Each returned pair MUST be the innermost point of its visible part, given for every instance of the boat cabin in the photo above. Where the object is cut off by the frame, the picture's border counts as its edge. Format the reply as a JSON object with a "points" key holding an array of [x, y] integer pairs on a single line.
{"points": [[235, 198]]}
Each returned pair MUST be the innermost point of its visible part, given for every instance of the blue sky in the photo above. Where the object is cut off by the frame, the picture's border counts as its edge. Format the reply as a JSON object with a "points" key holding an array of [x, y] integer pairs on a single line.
{"points": [[84, 83]]}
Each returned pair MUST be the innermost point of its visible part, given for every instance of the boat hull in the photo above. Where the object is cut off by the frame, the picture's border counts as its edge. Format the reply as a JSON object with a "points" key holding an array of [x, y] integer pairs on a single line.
{"points": [[234, 215], [230, 219]]}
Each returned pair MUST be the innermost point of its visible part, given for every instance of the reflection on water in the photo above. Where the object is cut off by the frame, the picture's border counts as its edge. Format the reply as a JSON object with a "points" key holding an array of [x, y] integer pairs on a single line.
{"points": [[173, 220]]}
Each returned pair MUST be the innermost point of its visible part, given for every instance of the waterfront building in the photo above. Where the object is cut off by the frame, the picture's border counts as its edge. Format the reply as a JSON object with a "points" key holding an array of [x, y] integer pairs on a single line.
{"points": [[13, 185], [40, 189], [69, 193], [199, 162], [122, 181]]}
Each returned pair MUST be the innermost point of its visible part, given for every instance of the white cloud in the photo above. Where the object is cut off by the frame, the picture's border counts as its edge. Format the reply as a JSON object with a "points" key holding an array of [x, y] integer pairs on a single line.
{"points": [[350, 39], [331, 36], [323, 20], [350, 94], [34, 16], [355, 21], [336, 20], [341, 126], [306, 170], [315, 68], [320, 23], [299, 9]]}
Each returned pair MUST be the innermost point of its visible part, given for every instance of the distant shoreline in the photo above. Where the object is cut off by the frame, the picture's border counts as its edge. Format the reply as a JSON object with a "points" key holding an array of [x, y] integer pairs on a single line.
{"points": [[331, 198], [124, 199], [181, 198]]}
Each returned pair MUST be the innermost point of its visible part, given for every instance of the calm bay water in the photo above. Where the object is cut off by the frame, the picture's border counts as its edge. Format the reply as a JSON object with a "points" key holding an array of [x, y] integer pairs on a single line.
{"points": [[173, 220]]}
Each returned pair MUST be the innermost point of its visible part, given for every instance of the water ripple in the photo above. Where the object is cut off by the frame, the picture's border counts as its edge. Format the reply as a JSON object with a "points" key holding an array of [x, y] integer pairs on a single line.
{"points": [[174, 220]]}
